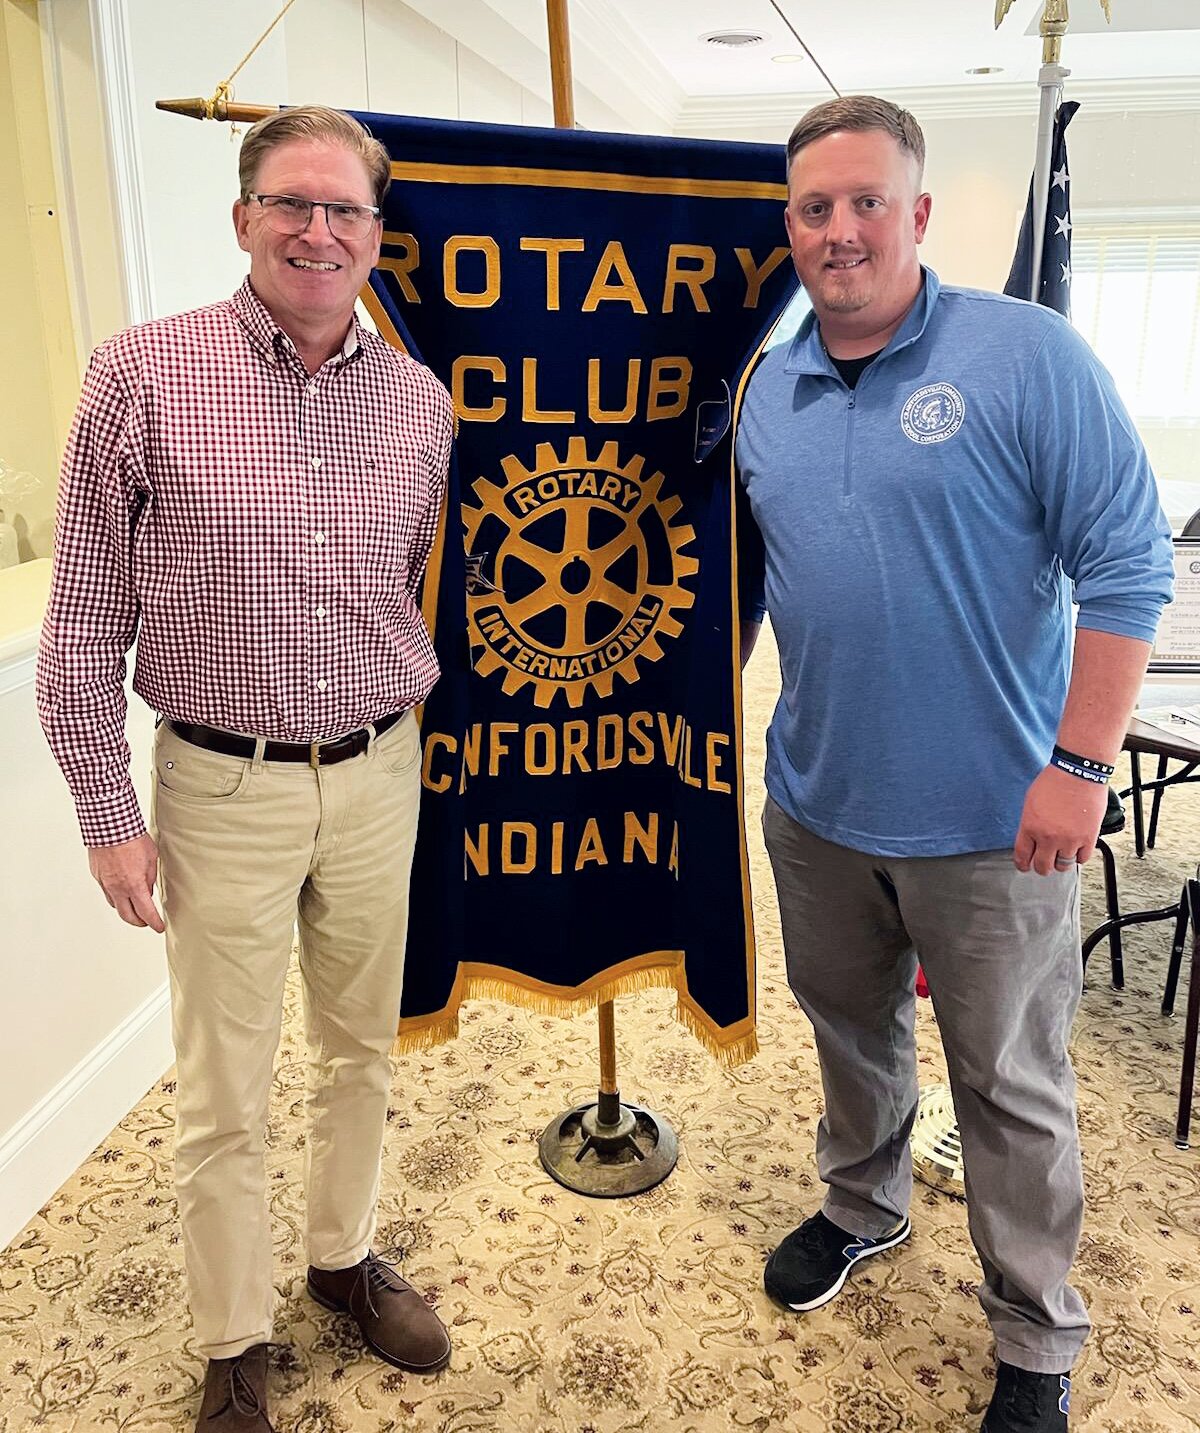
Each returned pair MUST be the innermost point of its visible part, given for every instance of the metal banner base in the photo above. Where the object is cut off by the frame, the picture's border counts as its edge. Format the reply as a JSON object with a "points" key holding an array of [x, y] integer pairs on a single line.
{"points": [[936, 1149], [607, 1150]]}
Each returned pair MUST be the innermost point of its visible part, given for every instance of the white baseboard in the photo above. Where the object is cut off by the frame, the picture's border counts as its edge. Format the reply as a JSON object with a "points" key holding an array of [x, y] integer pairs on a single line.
{"points": [[46, 1147]]}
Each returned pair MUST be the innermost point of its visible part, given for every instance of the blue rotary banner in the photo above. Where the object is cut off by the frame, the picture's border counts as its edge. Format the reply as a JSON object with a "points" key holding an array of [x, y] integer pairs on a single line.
{"points": [[591, 301]]}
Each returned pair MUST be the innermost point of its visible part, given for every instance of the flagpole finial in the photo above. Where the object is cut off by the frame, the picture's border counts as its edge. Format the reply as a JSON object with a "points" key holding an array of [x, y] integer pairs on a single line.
{"points": [[194, 108], [199, 108], [1055, 18]]}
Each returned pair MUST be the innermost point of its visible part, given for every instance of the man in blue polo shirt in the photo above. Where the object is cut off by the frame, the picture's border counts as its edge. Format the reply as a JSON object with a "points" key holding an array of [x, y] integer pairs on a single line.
{"points": [[931, 470]]}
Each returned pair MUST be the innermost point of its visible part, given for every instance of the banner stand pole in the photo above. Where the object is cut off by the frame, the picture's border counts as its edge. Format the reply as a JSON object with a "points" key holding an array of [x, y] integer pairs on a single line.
{"points": [[604, 1149]]}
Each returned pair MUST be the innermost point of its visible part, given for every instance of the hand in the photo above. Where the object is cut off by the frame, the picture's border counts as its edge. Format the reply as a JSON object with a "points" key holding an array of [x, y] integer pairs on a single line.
{"points": [[126, 875], [1059, 822]]}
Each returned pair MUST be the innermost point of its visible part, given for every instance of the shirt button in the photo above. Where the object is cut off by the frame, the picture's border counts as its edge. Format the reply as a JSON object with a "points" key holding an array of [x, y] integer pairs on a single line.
{"points": [[321, 684], [316, 462], [319, 538], [320, 611]]}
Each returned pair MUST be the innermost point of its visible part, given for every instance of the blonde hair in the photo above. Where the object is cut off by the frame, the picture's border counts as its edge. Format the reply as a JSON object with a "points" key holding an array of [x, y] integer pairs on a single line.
{"points": [[859, 112], [313, 122]]}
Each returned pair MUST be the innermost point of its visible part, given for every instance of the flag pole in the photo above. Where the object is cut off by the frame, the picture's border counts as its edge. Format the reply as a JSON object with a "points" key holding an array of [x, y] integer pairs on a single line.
{"points": [[1050, 91], [563, 90], [1054, 22], [1050, 82], [604, 1148]]}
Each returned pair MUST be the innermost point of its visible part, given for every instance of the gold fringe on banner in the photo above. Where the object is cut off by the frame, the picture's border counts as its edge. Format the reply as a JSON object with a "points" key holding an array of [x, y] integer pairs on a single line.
{"points": [[730, 1048], [734, 1050]]}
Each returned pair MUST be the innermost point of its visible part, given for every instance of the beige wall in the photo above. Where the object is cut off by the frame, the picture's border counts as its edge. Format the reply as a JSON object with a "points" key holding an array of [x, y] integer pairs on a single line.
{"points": [[978, 172], [38, 362]]}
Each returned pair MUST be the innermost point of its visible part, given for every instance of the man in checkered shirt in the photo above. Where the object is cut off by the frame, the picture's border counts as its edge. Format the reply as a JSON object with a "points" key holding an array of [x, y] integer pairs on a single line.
{"points": [[252, 490]]}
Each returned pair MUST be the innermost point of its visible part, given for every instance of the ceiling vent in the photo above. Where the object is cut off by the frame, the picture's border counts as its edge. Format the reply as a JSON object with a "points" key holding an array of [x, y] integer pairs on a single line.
{"points": [[733, 39]]}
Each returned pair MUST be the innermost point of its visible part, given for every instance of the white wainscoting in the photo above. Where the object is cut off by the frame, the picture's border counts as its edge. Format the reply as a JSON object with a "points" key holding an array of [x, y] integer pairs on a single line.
{"points": [[84, 1024], [47, 1145]]}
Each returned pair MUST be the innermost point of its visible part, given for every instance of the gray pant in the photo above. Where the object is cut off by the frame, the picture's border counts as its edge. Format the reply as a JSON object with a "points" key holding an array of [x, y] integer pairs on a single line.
{"points": [[1000, 952]]}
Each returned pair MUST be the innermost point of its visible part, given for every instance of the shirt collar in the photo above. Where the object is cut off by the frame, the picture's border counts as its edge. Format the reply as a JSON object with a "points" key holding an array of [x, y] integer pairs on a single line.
{"points": [[270, 340], [807, 355]]}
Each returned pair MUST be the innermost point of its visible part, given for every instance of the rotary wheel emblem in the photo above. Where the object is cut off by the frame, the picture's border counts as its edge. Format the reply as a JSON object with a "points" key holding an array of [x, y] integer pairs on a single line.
{"points": [[583, 563]]}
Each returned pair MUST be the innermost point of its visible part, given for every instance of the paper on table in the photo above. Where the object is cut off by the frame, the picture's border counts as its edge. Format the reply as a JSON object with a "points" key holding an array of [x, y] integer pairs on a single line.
{"points": [[1182, 721]]}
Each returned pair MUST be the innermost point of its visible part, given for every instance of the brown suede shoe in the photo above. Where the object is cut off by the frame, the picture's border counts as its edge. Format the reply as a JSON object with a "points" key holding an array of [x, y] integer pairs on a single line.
{"points": [[395, 1320], [235, 1394]]}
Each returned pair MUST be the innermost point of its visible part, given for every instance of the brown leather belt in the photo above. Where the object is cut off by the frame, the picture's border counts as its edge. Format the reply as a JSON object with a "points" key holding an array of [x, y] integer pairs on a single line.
{"points": [[315, 753]]}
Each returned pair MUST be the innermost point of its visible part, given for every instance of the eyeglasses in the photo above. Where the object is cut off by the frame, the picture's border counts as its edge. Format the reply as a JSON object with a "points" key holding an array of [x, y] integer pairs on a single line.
{"points": [[287, 214]]}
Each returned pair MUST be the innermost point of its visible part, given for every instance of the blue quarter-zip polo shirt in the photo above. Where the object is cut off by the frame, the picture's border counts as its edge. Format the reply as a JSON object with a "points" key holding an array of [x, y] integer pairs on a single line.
{"points": [[922, 533]]}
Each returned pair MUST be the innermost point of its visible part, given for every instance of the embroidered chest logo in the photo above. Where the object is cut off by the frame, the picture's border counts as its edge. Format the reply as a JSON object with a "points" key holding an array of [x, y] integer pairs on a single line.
{"points": [[933, 414]]}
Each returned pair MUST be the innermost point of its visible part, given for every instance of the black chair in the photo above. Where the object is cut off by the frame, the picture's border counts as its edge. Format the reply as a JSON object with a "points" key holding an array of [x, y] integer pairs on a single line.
{"points": [[1189, 917], [1186, 914], [1143, 840], [1114, 821]]}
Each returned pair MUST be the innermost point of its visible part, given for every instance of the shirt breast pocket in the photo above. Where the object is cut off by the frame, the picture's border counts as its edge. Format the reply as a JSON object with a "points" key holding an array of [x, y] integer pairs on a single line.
{"points": [[389, 490]]}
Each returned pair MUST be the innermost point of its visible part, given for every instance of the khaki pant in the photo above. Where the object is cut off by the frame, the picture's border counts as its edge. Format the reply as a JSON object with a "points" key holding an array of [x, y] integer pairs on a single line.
{"points": [[247, 849], [1000, 952]]}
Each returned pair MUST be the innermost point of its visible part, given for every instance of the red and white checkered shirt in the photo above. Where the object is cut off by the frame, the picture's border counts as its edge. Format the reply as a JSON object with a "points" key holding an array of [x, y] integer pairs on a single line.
{"points": [[260, 530]]}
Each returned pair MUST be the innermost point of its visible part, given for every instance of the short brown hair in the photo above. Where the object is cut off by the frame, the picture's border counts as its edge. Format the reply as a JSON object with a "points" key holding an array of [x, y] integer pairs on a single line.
{"points": [[327, 126], [859, 112]]}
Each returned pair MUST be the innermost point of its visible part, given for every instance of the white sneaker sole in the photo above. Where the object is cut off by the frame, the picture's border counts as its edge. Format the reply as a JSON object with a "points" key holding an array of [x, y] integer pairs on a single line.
{"points": [[836, 1288]]}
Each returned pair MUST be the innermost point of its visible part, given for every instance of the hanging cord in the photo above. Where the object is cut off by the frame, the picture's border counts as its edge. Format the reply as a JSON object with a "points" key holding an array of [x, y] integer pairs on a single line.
{"points": [[223, 92], [805, 48]]}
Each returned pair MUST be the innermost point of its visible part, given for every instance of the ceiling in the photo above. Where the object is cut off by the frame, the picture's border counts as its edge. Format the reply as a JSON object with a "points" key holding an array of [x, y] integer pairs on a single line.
{"points": [[649, 60], [901, 44]]}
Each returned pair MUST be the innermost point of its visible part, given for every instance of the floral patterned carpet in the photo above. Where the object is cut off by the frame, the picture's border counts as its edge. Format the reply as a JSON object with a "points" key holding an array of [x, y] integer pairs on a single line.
{"points": [[647, 1314]]}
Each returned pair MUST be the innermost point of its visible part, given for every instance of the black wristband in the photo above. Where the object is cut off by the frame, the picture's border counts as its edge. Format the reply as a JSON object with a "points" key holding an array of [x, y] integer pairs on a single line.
{"points": [[1082, 766]]}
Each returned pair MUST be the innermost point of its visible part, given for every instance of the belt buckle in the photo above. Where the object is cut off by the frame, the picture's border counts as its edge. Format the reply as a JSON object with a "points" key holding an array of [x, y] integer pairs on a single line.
{"points": [[314, 754]]}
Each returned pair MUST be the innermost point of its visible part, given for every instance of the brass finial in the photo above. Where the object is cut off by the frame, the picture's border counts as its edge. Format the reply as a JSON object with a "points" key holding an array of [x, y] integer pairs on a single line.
{"points": [[216, 108], [1055, 18], [193, 108]]}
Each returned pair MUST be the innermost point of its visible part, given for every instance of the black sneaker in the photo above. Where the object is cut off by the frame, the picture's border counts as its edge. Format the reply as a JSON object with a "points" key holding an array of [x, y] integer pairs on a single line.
{"points": [[811, 1264], [1027, 1402]]}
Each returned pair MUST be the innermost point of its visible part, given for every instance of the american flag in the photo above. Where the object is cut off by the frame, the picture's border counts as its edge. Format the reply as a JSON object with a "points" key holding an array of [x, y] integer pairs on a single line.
{"points": [[1054, 287]]}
